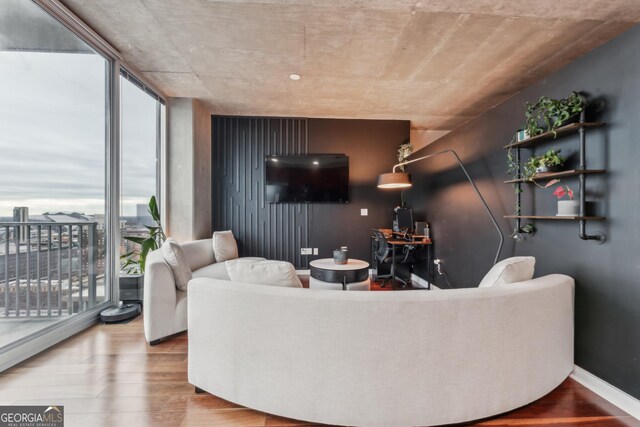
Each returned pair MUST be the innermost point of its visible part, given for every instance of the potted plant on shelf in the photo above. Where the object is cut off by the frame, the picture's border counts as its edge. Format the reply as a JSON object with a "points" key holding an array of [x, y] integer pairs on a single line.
{"points": [[568, 207], [404, 150], [549, 114], [550, 161], [133, 262]]}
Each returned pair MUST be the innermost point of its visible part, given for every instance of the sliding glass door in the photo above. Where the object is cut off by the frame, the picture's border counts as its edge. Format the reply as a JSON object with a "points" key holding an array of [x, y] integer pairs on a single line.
{"points": [[72, 176]]}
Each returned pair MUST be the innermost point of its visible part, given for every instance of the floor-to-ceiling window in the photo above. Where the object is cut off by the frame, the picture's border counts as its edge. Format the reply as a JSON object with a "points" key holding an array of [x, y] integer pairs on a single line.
{"points": [[141, 116], [64, 177]]}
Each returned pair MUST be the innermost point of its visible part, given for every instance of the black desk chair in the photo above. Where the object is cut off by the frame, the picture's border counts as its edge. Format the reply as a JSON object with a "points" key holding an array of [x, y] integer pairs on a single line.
{"points": [[384, 255]]}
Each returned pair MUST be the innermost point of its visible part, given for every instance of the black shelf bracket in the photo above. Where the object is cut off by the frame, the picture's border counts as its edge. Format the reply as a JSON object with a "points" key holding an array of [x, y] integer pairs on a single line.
{"points": [[599, 236]]}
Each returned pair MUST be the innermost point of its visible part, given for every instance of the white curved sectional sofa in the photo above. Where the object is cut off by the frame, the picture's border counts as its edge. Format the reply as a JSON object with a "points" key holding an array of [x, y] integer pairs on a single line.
{"points": [[381, 358]]}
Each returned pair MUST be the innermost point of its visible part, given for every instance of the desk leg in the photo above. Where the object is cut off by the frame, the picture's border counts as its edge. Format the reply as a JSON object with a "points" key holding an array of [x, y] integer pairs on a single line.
{"points": [[393, 266], [429, 266]]}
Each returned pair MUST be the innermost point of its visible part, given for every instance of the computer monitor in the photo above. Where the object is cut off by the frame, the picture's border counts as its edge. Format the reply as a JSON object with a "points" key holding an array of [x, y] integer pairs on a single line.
{"points": [[403, 218]]}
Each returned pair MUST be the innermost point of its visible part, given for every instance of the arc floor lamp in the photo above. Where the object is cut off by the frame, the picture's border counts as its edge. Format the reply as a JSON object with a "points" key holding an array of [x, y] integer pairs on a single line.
{"points": [[401, 180]]}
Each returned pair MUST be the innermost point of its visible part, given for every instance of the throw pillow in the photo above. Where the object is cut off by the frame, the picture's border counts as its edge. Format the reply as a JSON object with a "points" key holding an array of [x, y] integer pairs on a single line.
{"points": [[224, 246], [173, 255], [510, 270], [275, 273]]}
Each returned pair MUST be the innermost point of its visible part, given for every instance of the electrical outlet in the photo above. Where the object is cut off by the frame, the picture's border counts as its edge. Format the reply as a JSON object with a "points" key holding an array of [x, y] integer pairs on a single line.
{"points": [[306, 251], [315, 251], [364, 212]]}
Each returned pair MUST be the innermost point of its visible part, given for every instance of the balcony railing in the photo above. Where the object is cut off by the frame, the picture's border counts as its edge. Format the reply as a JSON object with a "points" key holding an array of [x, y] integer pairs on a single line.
{"points": [[49, 269]]}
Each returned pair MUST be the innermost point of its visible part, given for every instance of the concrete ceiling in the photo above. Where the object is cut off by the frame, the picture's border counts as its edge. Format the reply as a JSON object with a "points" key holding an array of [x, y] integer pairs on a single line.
{"points": [[437, 63]]}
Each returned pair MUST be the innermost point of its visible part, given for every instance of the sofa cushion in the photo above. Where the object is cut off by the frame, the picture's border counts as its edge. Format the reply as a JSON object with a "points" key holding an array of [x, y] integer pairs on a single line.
{"points": [[199, 253], [267, 272], [510, 270], [224, 246], [218, 270], [214, 271], [173, 255]]}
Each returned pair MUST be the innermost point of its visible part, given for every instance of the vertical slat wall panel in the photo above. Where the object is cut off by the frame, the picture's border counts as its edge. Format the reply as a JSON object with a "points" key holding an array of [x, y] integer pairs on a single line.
{"points": [[273, 231]]}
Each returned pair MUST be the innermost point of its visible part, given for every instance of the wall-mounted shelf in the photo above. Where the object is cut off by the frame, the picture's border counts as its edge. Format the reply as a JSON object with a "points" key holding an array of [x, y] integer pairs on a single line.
{"points": [[549, 136], [555, 175], [565, 218], [581, 172]]}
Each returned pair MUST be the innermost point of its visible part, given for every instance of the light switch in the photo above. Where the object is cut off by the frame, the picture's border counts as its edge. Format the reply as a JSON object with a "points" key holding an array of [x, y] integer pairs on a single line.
{"points": [[364, 212]]}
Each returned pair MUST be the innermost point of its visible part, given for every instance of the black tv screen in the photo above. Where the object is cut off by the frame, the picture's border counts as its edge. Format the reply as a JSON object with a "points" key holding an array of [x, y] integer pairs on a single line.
{"points": [[320, 178]]}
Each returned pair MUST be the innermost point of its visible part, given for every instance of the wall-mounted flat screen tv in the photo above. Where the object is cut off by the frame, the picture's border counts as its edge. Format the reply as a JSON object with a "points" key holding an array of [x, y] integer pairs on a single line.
{"points": [[312, 178]]}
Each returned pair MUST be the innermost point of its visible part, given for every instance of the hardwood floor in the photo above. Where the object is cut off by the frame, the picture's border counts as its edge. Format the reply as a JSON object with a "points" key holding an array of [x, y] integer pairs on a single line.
{"points": [[108, 376]]}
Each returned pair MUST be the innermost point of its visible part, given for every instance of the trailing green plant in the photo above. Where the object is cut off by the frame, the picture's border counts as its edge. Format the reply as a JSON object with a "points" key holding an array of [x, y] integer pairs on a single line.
{"points": [[404, 150], [133, 262], [518, 234], [551, 113], [550, 158]]}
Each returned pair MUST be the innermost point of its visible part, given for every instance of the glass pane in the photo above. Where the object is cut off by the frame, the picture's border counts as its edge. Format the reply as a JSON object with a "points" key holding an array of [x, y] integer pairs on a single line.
{"points": [[139, 159], [52, 170]]}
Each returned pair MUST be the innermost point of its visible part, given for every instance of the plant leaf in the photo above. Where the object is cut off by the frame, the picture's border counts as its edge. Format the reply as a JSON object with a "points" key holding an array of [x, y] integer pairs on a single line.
{"points": [[135, 239]]}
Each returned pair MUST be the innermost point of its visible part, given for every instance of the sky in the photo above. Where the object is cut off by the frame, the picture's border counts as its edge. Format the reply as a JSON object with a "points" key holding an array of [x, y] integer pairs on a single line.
{"points": [[52, 135]]}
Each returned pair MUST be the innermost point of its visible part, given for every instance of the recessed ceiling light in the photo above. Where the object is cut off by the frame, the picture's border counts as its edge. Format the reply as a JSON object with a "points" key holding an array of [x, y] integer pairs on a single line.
{"points": [[315, 162], [294, 76], [273, 159]]}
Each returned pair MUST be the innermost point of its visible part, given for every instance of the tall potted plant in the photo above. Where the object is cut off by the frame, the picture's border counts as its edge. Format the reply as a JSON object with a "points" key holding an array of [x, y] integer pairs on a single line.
{"points": [[133, 262]]}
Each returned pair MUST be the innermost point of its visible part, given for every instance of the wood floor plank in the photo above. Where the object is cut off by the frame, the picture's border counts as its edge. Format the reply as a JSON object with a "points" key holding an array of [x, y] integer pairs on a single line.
{"points": [[224, 417], [52, 392], [133, 419], [148, 389], [202, 401], [104, 405]]}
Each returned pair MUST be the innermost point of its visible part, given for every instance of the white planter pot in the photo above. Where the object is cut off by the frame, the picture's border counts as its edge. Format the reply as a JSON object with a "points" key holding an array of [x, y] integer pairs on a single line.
{"points": [[568, 208]]}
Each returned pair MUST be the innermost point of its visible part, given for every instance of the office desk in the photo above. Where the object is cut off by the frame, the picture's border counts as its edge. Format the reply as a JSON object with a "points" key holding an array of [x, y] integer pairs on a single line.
{"points": [[421, 243], [395, 242]]}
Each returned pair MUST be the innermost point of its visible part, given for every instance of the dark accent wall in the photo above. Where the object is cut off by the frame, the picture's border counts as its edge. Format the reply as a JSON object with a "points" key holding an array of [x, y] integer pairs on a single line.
{"points": [[607, 302], [239, 145], [371, 146], [278, 231]]}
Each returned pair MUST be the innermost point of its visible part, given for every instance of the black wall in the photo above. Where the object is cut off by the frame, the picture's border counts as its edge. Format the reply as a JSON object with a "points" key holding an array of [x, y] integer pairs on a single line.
{"points": [[278, 231], [607, 311]]}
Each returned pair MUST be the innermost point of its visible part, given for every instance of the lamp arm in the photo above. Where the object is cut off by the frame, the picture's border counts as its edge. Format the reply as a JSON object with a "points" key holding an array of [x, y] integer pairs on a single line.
{"points": [[473, 184]]}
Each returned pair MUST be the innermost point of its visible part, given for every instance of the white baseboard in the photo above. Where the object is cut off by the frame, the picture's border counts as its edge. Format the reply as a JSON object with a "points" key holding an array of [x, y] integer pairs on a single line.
{"points": [[622, 400]]}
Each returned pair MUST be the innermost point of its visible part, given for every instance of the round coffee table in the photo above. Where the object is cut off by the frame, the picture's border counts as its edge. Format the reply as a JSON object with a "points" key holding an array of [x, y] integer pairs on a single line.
{"points": [[352, 276]]}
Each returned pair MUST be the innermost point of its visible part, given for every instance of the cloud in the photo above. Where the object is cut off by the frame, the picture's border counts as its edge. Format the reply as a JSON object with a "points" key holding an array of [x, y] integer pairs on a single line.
{"points": [[52, 144]]}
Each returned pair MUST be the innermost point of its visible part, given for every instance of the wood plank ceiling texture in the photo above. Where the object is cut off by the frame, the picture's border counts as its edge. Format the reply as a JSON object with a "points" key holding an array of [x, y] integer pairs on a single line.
{"points": [[437, 63]]}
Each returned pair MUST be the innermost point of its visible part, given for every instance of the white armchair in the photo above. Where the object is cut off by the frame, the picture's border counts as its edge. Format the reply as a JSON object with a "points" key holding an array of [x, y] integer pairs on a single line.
{"points": [[165, 307]]}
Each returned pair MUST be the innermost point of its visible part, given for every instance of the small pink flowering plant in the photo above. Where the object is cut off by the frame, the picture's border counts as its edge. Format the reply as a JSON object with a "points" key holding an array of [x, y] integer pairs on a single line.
{"points": [[560, 192]]}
